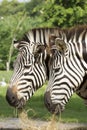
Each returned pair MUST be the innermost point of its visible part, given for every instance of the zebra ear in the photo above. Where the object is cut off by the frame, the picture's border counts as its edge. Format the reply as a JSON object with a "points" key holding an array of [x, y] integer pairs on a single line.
{"points": [[57, 44], [39, 49], [15, 43], [61, 45]]}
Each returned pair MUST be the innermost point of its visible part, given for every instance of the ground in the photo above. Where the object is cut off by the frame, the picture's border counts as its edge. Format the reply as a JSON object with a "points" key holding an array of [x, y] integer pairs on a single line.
{"points": [[17, 124]]}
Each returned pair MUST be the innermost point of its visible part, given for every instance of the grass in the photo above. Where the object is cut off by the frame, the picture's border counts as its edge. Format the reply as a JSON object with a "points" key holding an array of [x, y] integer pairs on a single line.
{"points": [[5, 75], [75, 110]]}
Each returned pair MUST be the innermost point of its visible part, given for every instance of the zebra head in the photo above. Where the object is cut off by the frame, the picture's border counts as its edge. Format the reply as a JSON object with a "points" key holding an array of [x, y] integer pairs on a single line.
{"points": [[66, 74], [29, 73]]}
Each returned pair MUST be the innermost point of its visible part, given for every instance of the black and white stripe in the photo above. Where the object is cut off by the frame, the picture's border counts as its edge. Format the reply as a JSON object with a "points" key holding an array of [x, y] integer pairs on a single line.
{"points": [[30, 71], [69, 66], [38, 59]]}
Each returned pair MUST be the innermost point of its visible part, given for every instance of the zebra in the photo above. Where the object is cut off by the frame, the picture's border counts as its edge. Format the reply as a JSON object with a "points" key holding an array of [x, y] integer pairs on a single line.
{"points": [[30, 66], [82, 90], [53, 53], [69, 70]]}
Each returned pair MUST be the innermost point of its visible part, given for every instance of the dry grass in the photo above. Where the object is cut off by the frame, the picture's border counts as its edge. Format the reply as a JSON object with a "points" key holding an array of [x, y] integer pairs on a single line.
{"points": [[27, 123]]}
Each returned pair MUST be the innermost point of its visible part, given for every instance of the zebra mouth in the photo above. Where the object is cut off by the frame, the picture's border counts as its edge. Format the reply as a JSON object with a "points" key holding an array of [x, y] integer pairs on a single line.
{"points": [[54, 108], [57, 109], [13, 100], [20, 103]]}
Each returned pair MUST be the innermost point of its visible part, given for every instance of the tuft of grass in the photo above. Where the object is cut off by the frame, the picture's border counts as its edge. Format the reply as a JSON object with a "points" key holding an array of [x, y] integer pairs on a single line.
{"points": [[75, 110], [27, 124]]}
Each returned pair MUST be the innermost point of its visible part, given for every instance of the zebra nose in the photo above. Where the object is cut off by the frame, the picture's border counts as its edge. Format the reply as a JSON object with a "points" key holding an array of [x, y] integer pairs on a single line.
{"points": [[53, 108], [11, 97]]}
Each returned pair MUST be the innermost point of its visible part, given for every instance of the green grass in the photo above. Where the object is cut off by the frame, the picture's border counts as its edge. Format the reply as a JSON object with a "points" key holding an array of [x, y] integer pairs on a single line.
{"points": [[6, 75], [5, 109], [75, 110]]}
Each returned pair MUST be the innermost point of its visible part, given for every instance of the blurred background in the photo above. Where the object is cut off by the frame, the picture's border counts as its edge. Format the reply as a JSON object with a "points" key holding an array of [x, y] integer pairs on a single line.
{"points": [[16, 18]]}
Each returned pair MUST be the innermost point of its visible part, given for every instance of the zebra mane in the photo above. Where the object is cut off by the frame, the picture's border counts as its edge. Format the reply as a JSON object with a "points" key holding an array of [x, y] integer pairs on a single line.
{"points": [[45, 29], [46, 32], [41, 31], [70, 32]]}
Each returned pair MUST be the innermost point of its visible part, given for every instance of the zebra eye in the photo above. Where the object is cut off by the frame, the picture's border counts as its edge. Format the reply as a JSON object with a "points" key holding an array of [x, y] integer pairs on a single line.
{"points": [[26, 73], [26, 66], [57, 68]]}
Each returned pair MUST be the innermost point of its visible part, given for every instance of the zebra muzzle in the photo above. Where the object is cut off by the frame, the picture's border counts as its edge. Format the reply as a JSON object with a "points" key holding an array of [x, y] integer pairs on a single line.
{"points": [[13, 100], [54, 108]]}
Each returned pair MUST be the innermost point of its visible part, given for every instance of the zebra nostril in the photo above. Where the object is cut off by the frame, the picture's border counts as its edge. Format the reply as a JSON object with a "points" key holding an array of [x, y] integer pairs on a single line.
{"points": [[11, 97]]}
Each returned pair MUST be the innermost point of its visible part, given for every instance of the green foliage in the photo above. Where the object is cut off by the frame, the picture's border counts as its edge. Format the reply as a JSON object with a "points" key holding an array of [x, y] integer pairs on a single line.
{"points": [[32, 6], [6, 76], [10, 8], [17, 18], [64, 13]]}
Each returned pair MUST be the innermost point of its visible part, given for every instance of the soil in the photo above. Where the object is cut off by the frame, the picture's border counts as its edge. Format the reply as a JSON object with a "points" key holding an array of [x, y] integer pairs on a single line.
{"points": [[14, 124]]}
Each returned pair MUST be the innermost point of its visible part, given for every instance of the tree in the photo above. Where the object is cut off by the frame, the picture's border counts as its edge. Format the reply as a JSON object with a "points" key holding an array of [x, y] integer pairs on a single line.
{"points": [[31, 7], [64, 13], [10, 7], [17, 18]]}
